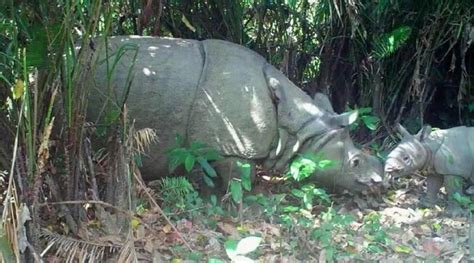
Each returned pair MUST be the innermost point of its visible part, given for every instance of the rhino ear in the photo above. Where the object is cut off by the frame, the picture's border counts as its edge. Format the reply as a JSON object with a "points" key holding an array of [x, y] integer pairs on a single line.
{"points": [[346, 118], [403, 131], [424, 133], [322, 101]]}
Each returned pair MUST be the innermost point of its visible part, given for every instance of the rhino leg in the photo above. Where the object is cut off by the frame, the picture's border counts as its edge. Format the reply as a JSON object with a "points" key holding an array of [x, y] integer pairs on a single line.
{"points": [[433, 184], [453, 184]]}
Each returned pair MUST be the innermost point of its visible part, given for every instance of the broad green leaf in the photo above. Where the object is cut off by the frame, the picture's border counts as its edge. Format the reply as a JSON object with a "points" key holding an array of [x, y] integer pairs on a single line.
{"points": [[236, 190], [196, 145], [214, 200], [462, 199], [307, 187], [247, 183], [212, 155], [364, 111], [247, 245], [297, 193], [245, 171], [321, 194], [308, 200], [208, 181], [189, 162], [292, 4], [371, 122], [208, 169], [230, 247]]}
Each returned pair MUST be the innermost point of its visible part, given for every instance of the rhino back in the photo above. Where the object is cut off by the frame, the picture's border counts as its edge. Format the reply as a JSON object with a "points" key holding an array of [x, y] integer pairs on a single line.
{"points": [[165, 77], [233, 110], [455, 155]]}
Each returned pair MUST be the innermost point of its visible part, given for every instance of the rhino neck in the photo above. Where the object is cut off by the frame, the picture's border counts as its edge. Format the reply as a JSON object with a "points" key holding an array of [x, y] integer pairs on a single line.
{"points": [[430, 146]]}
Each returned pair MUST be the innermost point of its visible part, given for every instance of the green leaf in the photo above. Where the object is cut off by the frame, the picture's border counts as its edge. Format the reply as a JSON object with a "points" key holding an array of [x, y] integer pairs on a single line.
{"points": [[230, 247], [212, 155], [292, 4], [323, 164], [176, 157], [371, 122], [321, 194], [195, 256], [462, 199], [209, 182], [291, 209], [215, 260], [208, 169], [214, 200], [247, 245], [236, 190], [307, 187], [308, 200], [196, 145], [364, 111], [297, 193], [189, 162], [245, 172]]}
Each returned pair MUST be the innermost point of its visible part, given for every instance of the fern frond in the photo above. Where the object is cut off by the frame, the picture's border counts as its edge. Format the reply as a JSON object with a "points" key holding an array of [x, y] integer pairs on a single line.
{"points": [[176, 186]]}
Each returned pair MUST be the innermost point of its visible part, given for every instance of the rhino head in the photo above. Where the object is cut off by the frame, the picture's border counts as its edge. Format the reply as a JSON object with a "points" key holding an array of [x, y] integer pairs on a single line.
{"points": [[409, 156], [353, 170]]}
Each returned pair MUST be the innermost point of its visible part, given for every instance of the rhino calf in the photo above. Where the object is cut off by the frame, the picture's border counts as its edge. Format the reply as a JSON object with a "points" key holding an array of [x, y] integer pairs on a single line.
{"points": [[446, 155], [230, 98]]}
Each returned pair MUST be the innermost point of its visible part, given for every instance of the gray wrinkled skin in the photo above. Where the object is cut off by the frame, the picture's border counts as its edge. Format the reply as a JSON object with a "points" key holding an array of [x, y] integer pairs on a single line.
{"points": [[446, 155], [230, 98]]}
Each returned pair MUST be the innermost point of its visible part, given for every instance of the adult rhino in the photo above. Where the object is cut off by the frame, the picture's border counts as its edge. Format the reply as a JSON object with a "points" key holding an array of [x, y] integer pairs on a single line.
{"points": [[230, 98]]}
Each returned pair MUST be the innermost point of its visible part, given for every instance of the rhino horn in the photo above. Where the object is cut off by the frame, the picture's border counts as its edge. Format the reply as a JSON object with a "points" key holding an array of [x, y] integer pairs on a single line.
{"points": [[403, 131], [423, 133], [345, 119]]}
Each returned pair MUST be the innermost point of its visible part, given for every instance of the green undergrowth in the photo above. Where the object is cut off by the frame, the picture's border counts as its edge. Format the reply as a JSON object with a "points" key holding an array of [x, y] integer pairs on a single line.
{"points": [[303, 213]]}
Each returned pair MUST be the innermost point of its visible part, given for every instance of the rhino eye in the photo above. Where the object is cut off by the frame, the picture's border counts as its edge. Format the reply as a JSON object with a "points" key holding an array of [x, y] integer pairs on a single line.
{"points": [[355, 162], [406, 158]]}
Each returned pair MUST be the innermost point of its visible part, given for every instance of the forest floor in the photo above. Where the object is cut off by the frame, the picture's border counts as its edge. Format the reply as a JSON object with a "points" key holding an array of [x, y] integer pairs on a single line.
{"points": [[400, 231]]}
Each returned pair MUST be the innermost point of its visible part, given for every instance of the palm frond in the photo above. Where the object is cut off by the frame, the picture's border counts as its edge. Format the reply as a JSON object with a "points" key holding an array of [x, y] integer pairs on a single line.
{"points": [[143, 139], [72, 249]]}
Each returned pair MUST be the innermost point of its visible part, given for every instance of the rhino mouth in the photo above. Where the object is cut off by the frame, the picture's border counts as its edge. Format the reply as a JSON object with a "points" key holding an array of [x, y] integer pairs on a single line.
{"points": [[372, 183]]}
